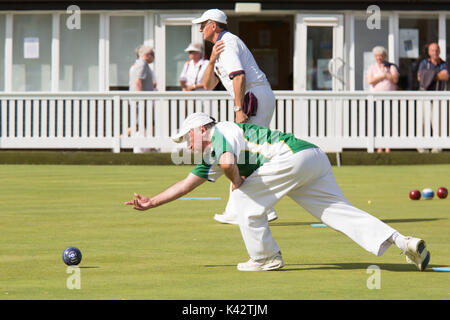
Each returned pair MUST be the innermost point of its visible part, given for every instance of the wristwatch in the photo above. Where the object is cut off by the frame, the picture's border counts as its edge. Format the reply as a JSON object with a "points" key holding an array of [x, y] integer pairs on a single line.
{"points": [[236, 109]]}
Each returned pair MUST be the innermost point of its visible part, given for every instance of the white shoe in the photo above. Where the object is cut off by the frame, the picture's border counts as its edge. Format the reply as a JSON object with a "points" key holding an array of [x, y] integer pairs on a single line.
{"points": [[272, 216], [225, 218], [273, 263], [417, 253], [230, 219]]}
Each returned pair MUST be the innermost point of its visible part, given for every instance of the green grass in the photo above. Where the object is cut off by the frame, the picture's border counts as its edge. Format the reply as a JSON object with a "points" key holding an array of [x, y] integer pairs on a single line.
{"points": [[178, 251]]}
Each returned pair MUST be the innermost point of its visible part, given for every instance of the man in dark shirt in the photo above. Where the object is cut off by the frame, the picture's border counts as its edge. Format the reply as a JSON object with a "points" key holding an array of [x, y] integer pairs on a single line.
{"points": [[433, 72]]}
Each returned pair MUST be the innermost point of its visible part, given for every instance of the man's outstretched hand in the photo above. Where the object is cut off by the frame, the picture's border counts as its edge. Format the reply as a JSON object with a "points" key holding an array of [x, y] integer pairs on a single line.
{"points": [[140, 203]]}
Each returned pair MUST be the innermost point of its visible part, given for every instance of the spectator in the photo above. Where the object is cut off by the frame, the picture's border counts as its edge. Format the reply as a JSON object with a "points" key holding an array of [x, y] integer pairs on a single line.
{"points": [[191, 77], [382, 75], [141, 76], [433, 75], [433, 72]]}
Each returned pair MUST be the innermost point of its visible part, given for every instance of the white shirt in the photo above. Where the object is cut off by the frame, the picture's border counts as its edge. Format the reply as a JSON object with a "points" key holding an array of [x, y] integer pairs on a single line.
{"points": [[193, 72], [237, 58]]}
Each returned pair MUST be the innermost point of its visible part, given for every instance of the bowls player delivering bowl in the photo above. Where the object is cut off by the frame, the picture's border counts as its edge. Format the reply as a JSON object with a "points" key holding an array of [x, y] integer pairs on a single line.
{"points": [[263, 166]]}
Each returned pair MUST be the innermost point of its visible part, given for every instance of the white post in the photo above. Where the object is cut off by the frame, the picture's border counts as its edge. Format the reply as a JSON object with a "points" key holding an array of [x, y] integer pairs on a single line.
{"points": [[149, 29], [55, 52], [393, 49], [300, 43], [338, 48], [116, 125], [350, 51], [442, 36], [370, 126], [149, 36], [103, 53], [160, 53], [8, 52]]}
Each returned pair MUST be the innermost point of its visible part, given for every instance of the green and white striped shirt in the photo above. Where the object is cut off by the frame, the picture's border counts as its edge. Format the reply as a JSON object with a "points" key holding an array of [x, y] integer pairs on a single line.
{"points": [[251, 144]]}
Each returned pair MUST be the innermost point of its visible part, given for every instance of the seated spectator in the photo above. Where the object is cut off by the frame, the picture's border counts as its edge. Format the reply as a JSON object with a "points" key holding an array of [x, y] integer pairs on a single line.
{"points": [[382, 76], [191, 77]]}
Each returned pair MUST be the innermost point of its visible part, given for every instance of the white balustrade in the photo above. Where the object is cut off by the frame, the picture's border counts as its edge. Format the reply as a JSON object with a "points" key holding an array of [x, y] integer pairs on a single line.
{"points": [[124, 120]]}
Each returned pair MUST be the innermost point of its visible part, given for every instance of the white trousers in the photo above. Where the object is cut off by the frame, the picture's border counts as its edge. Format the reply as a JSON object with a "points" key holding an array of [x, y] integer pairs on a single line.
{"points": [[266, 109], [266, 105], [307, 178]]}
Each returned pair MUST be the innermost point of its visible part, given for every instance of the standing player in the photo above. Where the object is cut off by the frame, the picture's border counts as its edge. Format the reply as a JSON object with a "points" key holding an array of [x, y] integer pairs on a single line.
{"points": [[283, 166], [233, 64]]}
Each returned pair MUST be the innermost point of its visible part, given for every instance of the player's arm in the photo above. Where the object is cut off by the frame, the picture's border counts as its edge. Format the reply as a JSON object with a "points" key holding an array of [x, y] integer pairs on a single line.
{"points": [[172, 193], [227, 162], [239, 94], [210, 80]]}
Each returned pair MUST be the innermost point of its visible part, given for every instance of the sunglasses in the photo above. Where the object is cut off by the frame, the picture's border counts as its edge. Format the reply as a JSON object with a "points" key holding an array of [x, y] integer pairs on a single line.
{"points": [[204, 24]]}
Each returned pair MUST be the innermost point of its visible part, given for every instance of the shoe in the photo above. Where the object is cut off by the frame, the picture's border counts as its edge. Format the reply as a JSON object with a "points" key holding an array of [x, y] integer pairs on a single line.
{"points": [[273, 263], [272, 216], [436, 150], [417, 253], [225, 218]]}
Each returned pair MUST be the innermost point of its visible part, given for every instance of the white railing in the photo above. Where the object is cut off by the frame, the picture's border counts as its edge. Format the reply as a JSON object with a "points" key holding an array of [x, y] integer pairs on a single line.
{"points": [[120, 120]]}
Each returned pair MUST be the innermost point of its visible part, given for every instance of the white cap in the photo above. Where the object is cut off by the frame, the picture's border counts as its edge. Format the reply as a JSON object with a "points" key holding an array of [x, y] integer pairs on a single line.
{"points": [[212, 14], [194, 47], [194, 120]]}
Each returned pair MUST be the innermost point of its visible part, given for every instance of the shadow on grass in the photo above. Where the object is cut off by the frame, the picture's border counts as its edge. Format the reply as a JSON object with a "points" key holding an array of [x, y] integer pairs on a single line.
{"points": [[292, 223], [396, 267]]}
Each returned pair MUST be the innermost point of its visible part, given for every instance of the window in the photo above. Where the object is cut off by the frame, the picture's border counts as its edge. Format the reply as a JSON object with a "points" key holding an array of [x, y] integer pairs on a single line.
{"points": [[177, 39], [365, 40], [415, 32], [318, 56], [126, 33], [79, 55], [32, 35]]}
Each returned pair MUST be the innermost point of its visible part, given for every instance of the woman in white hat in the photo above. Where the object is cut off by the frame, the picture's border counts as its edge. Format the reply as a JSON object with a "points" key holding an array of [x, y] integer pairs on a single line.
{"points": [[191, 77]]}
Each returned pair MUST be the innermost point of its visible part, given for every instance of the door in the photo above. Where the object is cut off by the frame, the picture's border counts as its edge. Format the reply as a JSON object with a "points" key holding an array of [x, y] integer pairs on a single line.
{"points": [[319, 55], [270, 41], [173, 34]]}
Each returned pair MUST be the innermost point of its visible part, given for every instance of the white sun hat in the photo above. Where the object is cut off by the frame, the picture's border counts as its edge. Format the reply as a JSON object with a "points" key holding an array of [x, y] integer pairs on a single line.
{"points": [[212, 14], [193, 121], [194, 47]]}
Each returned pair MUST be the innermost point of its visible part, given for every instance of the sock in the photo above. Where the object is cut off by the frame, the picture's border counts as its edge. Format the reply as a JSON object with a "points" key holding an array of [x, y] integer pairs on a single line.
{"points": [[399, 240]]}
